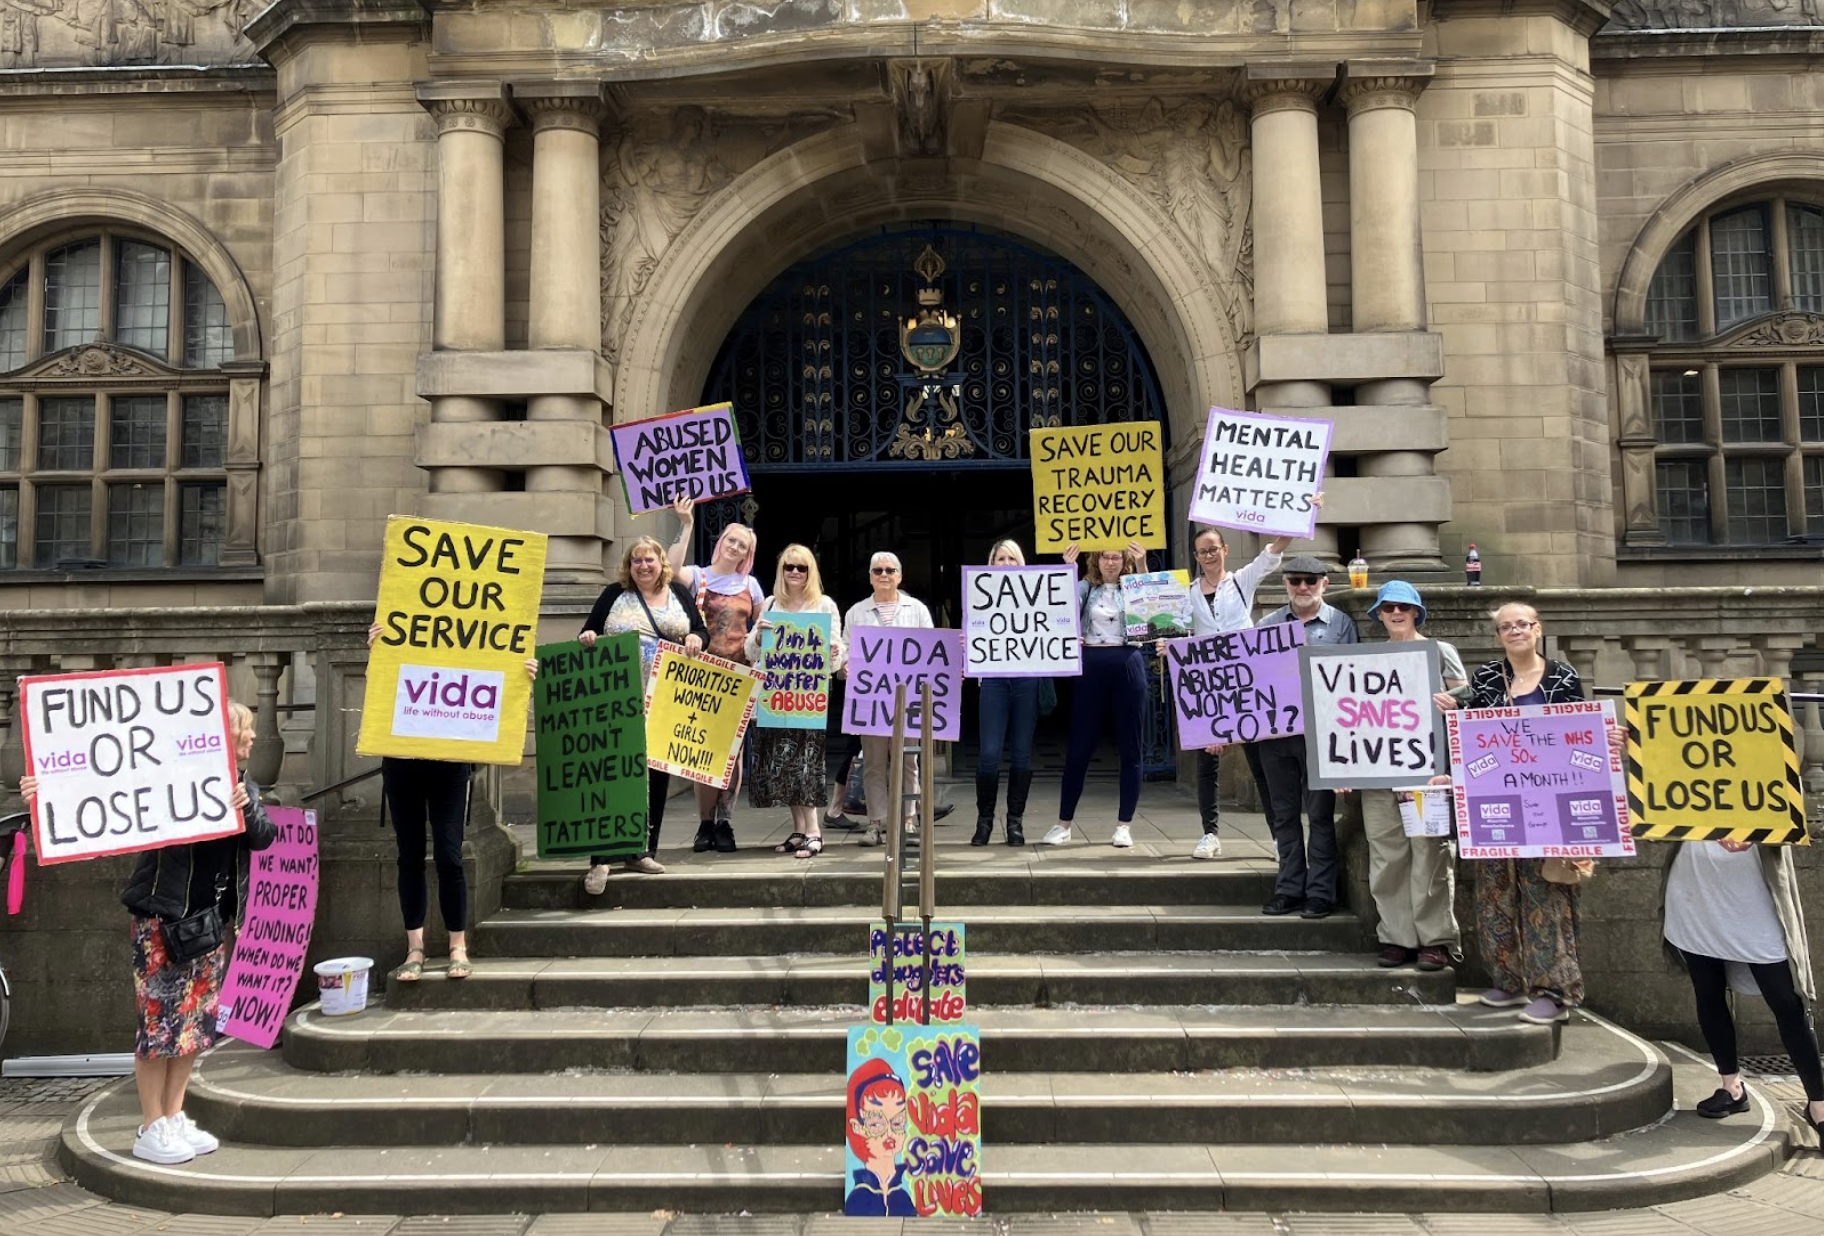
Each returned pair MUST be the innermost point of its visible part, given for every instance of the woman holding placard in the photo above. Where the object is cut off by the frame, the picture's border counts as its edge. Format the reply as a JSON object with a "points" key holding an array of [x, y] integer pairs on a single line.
{"points": [[729, 597], [1113, 686], [1526, 922], [1412, 878], [789, 767], [648, 600], [1009, 713], [888, 607], [177, 995]]}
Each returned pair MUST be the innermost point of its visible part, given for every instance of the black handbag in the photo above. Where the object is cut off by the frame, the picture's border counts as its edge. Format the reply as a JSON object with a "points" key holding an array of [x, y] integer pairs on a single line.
{"points": [[196, 935]]}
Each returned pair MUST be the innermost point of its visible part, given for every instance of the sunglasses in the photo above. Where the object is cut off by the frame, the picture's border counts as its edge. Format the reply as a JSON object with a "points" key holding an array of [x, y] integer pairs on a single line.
{"points": [[1305, 581], [883, 570], [796, 568], [1399, 607]]}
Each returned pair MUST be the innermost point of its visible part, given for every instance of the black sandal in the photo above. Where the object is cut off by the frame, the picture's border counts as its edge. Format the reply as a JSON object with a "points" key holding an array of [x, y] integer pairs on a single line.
{"points": [[812, 847], [791, 845]]}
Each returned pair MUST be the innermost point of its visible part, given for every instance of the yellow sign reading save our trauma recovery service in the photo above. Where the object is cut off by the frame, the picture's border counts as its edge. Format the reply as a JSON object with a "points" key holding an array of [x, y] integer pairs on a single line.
{"points": [[458, 615], [1098, 486]]}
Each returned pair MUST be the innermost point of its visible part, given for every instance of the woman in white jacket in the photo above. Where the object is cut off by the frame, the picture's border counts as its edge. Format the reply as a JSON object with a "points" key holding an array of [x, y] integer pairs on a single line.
{"points": [[888, 607]]}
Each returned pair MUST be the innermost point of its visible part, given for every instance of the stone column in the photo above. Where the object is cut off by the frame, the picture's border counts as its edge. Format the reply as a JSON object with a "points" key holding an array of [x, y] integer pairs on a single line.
{"points": [[1290, 296], [565, 307], [1387, 280], [471, 299]]}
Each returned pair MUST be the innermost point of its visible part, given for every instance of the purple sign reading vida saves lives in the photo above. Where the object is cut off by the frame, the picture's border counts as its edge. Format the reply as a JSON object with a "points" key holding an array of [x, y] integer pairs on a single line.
{"points": [[269, 952], [1538, 782], [1241, 686], [880, 658]]}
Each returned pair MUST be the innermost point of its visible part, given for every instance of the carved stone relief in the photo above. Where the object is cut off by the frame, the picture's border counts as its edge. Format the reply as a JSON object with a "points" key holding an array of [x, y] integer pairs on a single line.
{"points": [[1192, 158], [38, 34], [1786, 331], [1712, 14]]}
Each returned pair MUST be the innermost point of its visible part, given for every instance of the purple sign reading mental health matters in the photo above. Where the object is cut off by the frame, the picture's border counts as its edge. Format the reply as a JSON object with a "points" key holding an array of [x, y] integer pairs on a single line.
{"points": [[1241, 686], [880, 658], [1538, 781]]}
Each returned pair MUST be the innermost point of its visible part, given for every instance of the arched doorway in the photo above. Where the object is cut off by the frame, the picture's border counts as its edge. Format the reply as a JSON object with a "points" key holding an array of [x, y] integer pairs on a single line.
{"points": [[885, 389]]}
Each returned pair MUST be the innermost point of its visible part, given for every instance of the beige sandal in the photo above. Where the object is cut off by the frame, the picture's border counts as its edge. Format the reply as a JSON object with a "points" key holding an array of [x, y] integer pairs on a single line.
{"points": [[459, 964], [409, 971]]}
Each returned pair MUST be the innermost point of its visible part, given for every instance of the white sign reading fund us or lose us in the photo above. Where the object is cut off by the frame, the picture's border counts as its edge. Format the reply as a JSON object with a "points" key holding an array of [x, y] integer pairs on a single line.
{"points": [[1261, 473], [128, 760]]}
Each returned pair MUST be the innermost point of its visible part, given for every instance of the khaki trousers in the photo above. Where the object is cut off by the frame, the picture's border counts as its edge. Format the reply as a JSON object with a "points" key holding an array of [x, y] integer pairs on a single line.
{"points": [[875, 752], [1413, 879]]}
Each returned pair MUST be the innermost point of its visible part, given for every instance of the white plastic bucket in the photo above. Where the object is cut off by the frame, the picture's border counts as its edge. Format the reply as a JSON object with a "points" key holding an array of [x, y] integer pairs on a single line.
{"points": [[342, 984]]}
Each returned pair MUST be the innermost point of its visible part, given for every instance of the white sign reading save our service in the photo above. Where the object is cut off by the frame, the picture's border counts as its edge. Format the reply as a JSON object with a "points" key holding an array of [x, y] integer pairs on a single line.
{"points": [[128, 760], [1021, 622], [1261, 473]]}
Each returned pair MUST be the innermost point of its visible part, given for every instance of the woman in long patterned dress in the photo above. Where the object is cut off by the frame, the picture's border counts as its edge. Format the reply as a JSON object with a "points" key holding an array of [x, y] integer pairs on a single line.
{"points": [[789, 763], [729, 597]]}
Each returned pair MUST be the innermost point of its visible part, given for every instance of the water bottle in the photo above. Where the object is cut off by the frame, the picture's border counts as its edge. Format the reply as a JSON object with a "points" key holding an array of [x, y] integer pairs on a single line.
{"points": [[1358, 571], [1472, 567]]}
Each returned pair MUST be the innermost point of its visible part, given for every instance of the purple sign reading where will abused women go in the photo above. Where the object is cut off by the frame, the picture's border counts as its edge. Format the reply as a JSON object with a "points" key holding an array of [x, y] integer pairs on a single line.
{"points": [[1241, 686], [269, 951], [694, 454], [880, 658], [1538, 781]]}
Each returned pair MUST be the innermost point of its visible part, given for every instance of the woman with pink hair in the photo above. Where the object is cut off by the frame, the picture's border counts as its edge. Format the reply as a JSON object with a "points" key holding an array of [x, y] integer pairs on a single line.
{"points": [[730, 598]]}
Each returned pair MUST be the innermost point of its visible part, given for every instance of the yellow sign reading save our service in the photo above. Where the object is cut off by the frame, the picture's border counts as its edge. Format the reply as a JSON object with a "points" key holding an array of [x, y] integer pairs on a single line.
{"points": [[1098, 486], [458, 615]]}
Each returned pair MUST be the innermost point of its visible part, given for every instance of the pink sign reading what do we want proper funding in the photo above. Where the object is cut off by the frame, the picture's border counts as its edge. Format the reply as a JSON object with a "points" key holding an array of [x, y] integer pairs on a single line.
{"points": [[269, 952]]}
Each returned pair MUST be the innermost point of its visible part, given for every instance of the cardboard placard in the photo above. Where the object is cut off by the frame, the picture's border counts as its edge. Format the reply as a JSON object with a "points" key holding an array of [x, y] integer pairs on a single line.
{"points": [[912, 1121], [1538, 781], [1370, 721], [1156, 605], [1021, 622], [458, 608], [128, 760], [591, 748], [1240, 686], [1098, 486], [795, 665], [697, 712], [1426, 811], [691, 454], [905, 945], [1714, 758], [1261, 473], [880, 658], [274, 937]]}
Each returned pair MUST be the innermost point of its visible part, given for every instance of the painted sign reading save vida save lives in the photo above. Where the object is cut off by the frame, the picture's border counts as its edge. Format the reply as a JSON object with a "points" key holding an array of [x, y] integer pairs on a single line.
{"points": [[1538, 781]]}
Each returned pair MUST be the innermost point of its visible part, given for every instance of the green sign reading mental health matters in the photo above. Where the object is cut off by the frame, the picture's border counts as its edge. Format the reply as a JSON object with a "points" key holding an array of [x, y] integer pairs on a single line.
{"points": [[591, 749]]}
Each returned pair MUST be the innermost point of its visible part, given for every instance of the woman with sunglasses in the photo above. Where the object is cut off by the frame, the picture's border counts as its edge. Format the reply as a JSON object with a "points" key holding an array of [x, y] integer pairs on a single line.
{"points": [[789, 763], [1526, 926], [888, 607], [729, 597], [1413, 879]]}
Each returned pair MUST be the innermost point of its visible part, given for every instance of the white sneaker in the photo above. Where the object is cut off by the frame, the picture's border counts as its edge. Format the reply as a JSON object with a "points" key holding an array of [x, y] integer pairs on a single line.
{"points": [[189, 1134], [645, 864], [596, 882], [1207, 847], [1057, 834], [156, 1143], [1124, 837]]}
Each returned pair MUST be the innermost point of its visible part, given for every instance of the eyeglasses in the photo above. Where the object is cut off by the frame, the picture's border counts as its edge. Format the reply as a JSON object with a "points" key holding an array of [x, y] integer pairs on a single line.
{"points": [[1212, 551], [796, 568], [1305, 581], [1398, 607], [883, 570], [1519, 624], [875, 1126]]}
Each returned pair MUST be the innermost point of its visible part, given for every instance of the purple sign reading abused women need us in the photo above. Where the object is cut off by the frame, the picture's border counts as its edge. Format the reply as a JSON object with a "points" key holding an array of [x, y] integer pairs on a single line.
{"points": [[1538, 781], [1241, 686]]}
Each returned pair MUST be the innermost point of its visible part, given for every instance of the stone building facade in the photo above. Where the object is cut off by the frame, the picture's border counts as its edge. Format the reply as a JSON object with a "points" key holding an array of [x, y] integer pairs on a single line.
{"points": [[268, 273]]}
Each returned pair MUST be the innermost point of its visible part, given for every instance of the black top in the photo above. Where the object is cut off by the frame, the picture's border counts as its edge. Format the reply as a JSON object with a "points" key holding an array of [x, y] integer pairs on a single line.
{"points": [[1489, 684], [165, 883]]}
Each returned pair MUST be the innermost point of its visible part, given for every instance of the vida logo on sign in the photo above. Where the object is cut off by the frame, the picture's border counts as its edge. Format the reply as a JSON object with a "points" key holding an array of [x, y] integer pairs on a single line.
{"points": [[441, 702]]}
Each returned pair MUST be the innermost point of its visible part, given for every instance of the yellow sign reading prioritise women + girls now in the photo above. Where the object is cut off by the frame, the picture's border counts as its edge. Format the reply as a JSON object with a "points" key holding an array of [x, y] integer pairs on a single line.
{"points": [[458, 615], [697, 709]]}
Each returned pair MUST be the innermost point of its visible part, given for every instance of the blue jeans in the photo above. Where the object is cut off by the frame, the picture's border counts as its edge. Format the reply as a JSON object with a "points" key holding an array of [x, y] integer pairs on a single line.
{"points": [[1010, 711], [1112, 688]]}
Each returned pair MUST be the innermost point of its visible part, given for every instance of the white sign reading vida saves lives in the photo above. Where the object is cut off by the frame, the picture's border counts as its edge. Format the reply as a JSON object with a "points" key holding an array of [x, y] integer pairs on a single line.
{"points": [[128, 760]]}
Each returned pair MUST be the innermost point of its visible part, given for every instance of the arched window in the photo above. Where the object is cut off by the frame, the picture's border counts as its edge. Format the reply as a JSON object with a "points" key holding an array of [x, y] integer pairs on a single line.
{"points": [[114, 406], [1735, 377]]}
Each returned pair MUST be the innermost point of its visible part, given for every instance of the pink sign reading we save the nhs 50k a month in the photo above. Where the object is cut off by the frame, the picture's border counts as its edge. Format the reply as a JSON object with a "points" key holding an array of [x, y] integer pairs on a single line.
{"points": [[269, 952]]}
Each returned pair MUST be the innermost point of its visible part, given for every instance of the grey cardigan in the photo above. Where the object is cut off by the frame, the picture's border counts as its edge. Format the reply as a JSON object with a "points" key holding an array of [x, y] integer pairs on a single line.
{"points": [[1783, 885]]}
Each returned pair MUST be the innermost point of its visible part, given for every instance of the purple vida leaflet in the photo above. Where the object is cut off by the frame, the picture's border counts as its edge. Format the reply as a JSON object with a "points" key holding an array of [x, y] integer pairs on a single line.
{"points": [[1538, 781]]}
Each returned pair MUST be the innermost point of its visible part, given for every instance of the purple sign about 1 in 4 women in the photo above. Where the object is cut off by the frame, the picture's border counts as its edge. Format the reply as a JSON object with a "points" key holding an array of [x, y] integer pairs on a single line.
{"points": [[1539, 781], [1241, 686]]}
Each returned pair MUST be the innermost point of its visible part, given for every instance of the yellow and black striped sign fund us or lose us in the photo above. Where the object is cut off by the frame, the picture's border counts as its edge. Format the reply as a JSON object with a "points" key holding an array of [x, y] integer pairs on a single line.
{"points": [[1712, 759]]}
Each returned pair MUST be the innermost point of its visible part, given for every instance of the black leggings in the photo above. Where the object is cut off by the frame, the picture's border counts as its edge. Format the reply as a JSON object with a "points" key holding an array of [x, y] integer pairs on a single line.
{"points": [[658, 788], [436, 791], [1710, 981]]}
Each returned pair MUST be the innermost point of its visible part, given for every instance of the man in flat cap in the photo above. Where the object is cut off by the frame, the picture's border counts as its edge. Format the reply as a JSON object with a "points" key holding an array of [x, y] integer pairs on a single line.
{"points": [[1307, 874]]}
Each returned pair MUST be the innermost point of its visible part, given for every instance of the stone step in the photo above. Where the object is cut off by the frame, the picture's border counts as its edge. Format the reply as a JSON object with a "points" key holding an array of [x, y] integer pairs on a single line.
{"points": [[992, 875], [1163, 979], [1683, 1156], [760, 1040], [1603, 1083], [731, 931]]}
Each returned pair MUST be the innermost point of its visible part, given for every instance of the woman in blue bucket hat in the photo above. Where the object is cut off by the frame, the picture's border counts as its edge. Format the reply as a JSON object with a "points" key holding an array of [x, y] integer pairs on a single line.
{"points": [[1413, 879]]}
